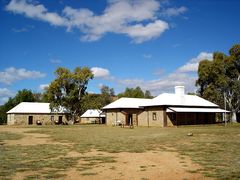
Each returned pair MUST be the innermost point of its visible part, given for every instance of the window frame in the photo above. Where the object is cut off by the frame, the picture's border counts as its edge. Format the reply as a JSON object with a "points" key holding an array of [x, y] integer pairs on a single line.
{"points": [[154, 116]]}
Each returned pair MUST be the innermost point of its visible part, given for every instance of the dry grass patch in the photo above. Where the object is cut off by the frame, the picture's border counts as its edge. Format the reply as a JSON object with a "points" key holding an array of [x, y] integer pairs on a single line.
{"points": [[215, 148]]}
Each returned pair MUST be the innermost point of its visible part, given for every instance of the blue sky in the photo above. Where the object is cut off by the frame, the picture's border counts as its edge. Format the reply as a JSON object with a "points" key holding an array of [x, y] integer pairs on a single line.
{"points": [[127, 43]]}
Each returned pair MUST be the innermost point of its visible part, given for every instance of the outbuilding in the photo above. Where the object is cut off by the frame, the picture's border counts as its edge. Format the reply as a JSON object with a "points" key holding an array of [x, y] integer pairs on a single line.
{"points": [[28, 113], [164, 110], [93, 116]]}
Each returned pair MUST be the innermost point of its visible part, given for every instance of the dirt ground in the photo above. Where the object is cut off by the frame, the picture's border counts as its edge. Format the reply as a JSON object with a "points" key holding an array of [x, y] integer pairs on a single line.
{"points": [[149, 165]]}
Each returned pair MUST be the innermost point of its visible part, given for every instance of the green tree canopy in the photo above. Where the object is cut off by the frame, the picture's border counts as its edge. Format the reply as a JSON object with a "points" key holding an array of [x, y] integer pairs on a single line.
{"points": [[24, 95], [97, 101], [135, 93], [69, 88], [107, 95], [220, 77]]}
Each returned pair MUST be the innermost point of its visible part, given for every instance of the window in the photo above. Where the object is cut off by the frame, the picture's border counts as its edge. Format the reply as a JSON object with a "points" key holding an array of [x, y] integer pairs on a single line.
{"points": [[154, 116]]}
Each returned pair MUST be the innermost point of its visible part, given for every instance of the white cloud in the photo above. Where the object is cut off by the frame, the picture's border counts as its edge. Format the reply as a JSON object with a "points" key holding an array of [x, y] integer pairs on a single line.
{"points": [[23, 29], [159, 72], [55, 61], [130, 82], [167, 83], [169, 12], [161, 85], [100, 72], [184, 75], [19, 30], [9, 75], [36, 12], [137, 19], [147, 56], [140, 33], [192, 65], [5, 94], [43, 86]]}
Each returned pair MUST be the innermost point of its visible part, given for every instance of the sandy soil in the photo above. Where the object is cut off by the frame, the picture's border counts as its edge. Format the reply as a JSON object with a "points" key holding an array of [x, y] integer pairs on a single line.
{"points": [[29, 138], [149, 165]]}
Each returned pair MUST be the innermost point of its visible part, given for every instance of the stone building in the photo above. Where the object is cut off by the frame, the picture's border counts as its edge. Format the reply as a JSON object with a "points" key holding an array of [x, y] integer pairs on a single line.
{"points": [[27, 113], [164, 110], [93, 116]]}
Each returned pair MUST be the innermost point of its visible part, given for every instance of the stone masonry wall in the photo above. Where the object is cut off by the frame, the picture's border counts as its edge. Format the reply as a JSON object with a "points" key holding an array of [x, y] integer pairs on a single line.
{"points": [[22, 119]]}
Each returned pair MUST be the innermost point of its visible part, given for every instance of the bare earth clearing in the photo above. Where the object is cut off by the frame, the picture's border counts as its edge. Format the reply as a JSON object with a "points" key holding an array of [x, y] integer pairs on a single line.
{"points": [[156, 164]]}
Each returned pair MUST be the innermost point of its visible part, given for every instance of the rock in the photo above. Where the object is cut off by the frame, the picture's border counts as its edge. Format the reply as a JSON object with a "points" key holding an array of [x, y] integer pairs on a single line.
{"points": [[189, 134]]}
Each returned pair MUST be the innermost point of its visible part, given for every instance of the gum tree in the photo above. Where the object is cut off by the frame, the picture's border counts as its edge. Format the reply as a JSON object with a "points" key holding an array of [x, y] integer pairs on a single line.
{"points": [[68, 88], [220, 78]]}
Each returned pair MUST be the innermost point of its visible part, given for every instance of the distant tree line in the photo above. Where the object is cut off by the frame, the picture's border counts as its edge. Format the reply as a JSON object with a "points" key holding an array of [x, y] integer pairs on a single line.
{"points": [[218, 81], [68, 89], [135, 93]]}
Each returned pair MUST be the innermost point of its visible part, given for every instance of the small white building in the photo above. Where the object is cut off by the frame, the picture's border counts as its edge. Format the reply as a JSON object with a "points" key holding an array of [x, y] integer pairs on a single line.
{"points": [[93, 116], [27, 113]]}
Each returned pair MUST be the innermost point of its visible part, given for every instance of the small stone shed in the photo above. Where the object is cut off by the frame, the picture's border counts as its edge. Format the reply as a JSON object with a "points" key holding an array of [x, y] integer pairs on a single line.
{"points": [[28, 113], [93, 116], [167, 109]]}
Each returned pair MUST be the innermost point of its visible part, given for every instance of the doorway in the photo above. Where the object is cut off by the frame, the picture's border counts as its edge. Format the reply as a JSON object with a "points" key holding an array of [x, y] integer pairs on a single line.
{"points": [[103, 120], [60, 120], [30, 120], [129, 119]]}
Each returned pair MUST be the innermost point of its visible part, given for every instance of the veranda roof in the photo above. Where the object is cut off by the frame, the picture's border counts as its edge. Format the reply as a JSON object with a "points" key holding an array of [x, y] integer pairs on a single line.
{"points": [[183, 109]]}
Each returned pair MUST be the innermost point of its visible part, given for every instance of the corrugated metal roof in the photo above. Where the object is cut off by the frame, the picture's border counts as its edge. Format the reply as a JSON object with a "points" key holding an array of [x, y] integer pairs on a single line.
{"points": [[92, 113], [127, 103], [168, 99], [35, 107], [165, 99], [213, 110]]}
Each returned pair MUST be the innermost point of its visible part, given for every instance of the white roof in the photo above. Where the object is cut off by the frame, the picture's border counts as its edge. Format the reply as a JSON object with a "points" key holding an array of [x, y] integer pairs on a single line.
{"points": [[35, 107], [180, 100], [127, 103], [165, 99], [213, 110], [92, 113]]}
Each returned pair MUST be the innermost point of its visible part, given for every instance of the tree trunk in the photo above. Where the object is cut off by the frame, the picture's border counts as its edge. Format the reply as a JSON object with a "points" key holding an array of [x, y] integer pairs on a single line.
{"points": [[234, 117]]}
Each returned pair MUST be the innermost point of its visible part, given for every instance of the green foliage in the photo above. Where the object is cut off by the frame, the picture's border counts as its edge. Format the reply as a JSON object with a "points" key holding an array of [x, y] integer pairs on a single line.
{"points": [[221, 76], [135, 93], [69, 88], [91, 101], [24, 95], [97, 101], [147, 94], [107, 95]]}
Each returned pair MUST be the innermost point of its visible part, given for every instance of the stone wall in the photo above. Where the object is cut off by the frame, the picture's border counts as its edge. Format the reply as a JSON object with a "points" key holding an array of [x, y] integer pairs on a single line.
{"points": [[23, 119], [157, 116], [92, 120], [114, 115], [152, 116]]}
